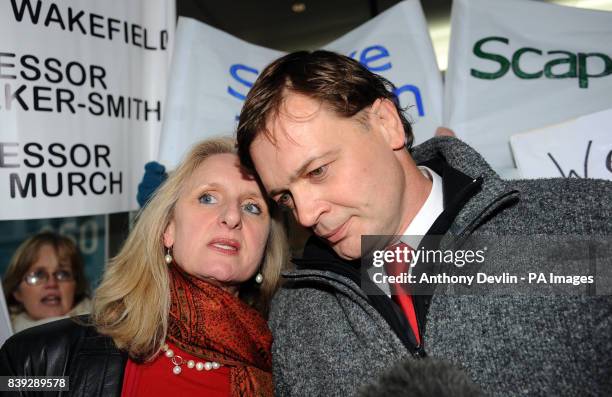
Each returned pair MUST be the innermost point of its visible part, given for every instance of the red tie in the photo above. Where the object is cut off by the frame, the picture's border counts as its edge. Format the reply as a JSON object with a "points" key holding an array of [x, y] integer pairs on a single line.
{"points": [[398, 294]]}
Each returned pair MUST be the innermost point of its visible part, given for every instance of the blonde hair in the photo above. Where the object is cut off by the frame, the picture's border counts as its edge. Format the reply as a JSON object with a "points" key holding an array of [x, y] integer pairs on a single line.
{"points": [[131, 304]]}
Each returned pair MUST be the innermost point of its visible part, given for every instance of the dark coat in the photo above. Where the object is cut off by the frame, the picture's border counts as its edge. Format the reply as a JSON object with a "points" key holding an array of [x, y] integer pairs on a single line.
{"points": [[329, 339], [66, 348]]}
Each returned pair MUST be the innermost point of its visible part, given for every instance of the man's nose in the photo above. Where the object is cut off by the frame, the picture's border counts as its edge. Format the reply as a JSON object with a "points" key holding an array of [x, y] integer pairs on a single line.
{"points": [[308, 208], [231, 216]]}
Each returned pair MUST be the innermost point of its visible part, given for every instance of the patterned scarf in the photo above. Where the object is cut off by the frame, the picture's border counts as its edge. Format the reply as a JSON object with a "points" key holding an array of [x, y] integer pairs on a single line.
{"points": [[213, 324]]}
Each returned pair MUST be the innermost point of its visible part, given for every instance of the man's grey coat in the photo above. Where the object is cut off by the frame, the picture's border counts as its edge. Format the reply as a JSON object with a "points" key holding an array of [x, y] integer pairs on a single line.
{"points": [[328, 339]]}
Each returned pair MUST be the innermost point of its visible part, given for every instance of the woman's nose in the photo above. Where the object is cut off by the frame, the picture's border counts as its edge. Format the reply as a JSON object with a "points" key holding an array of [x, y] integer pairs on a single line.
{"points": [[231, 217]]}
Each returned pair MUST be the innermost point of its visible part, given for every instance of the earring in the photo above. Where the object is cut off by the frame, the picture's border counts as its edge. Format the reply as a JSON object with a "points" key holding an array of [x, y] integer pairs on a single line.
{"points": [[168, 257], [259, 278]]}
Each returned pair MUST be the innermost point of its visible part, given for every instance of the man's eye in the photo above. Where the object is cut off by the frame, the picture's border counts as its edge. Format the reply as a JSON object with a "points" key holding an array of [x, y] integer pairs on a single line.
{"points": [[253, 208], [285, 201], [208, 198], [318, 172]]}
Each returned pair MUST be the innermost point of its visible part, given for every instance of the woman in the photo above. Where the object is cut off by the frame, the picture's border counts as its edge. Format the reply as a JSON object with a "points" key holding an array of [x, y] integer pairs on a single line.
{"points": [[181, 308], [44, 281]]}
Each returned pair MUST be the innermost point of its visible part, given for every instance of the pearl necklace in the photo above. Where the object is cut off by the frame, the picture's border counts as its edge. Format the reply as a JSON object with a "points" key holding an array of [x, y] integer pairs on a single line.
{"points": [[178, 361]]}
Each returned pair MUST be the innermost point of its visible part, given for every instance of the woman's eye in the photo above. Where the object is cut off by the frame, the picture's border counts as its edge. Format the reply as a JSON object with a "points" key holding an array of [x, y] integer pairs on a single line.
{"points": [[253, 208], [208, 198]]}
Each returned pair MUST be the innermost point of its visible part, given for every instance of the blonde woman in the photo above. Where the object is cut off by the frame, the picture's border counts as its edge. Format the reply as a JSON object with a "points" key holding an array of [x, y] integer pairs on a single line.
{"points": [[181, 309]]}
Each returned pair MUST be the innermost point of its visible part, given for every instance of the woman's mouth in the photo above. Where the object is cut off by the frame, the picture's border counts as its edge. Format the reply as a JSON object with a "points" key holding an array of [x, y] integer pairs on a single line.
{"points": [[51, 300], [225, 246]]}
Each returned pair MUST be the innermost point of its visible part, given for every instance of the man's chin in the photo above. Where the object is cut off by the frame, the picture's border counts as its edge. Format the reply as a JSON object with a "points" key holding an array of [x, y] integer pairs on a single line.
{"points": [[345, 250]]}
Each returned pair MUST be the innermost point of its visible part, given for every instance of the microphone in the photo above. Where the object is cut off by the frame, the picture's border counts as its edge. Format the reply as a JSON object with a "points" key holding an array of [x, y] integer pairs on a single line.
{"points": [[422, 378]]}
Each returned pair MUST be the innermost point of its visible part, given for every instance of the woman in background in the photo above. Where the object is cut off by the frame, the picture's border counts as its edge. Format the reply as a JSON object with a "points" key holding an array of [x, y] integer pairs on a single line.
{"points": [[45, 281], [181, 309]]}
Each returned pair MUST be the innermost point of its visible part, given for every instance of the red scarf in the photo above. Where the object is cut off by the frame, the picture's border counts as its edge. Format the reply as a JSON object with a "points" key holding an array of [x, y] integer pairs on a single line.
{"points": [[215, 325]]}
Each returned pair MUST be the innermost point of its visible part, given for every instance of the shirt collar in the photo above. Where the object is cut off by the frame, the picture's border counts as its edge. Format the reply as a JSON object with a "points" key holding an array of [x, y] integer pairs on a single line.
{"points": [[429, 212]]}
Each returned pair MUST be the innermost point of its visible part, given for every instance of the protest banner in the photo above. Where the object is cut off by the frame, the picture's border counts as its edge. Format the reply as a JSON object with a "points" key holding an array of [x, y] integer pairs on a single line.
{"points": [[577, 148], [212, 72], [84, 92], [509, 72]]}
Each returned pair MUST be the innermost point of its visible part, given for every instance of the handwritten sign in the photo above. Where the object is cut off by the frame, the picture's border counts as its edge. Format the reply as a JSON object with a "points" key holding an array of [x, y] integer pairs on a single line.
{"points": [[578, 148]]}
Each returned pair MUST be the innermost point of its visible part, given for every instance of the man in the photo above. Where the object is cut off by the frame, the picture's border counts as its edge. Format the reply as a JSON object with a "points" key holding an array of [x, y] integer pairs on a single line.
{"points": [[330, 143]]}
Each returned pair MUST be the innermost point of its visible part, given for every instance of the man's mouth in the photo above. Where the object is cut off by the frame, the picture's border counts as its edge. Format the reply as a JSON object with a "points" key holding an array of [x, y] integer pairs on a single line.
{"points": [[336, 234]]}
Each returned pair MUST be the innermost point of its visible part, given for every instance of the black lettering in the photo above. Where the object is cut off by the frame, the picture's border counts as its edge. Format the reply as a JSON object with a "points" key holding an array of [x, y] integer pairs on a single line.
{"points": [[156, 110], [116, 109], [80, 79], [8, 65], [163, 39], [96, 108], [91, 183], [73, 155], [136, 35], [93, 24], [53, 65], [101, 152], [66, 97], [10, 96], [53, 15], [75, 19], [609, 161], [76, 179], [4, 155], [111, 28], [34, 14], [38, 98], [504, 64], [138, 102], [33, 67], [30, 184], [97, 73], [58, 154], [146, 45], [45, 188], [125, 33], [27, 150], [114, 182]]}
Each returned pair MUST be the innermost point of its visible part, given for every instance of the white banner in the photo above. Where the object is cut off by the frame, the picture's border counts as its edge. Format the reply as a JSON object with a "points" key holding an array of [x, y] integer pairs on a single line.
{"points": [[83, 92], [212, 72], [516, 65], [397, 46], [578, 148]]}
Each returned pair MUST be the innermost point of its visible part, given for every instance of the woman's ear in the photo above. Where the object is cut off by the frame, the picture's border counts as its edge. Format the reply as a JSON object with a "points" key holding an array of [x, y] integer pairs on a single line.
{"points": [[384, 117], [17, 295], [169, 235]]}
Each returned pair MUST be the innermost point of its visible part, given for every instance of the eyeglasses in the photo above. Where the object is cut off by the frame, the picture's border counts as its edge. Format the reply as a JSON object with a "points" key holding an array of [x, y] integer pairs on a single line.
{"points": [[41, 276]]}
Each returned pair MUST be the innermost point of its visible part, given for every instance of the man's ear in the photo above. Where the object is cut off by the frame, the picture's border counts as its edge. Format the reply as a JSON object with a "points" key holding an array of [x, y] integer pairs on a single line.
{"points": [[169, 234], [384, 117]]}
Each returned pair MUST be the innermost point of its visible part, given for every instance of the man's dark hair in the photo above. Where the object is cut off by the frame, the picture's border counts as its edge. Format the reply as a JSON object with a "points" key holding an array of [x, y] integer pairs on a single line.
{"points": [[339, 82]]}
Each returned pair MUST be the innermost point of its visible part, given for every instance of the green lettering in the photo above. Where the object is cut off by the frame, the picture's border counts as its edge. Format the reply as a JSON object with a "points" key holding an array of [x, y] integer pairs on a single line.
{"points": [[570, 61], [583, 75], [516, 58], [504, 64]]}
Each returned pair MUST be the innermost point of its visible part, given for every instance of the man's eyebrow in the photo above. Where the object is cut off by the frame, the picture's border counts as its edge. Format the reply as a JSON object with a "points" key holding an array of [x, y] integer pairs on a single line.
{"points": [[301, 170]]}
